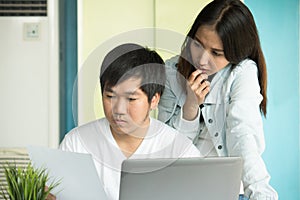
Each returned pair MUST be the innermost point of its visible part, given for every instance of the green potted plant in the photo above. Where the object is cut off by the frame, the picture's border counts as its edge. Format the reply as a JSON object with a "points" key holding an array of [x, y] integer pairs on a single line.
{"points": [[27, 183]]}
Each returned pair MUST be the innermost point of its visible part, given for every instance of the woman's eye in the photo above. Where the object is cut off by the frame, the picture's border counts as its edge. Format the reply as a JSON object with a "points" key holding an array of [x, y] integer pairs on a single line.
{"points": [[216, 53]]}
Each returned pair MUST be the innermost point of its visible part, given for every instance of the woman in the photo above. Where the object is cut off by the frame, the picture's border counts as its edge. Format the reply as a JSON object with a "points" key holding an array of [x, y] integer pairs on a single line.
{"points": [[216, 91]]}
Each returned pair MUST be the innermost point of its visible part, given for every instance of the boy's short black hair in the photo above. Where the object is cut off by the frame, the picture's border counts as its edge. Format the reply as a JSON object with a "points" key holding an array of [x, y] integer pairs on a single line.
{"points": [[131, 60]]}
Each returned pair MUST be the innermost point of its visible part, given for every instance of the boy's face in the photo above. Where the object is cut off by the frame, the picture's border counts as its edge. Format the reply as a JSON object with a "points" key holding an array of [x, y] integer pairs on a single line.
{"points": [[126, 107]]}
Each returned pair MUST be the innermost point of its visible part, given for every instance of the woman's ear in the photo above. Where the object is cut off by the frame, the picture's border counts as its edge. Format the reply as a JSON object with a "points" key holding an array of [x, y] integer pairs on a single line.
{"points": [[154, 101]]}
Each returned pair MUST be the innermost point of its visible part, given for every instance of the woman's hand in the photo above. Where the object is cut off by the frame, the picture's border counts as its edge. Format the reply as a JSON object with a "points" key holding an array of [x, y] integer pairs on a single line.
{"points": [[50, 196], [197, 89]]}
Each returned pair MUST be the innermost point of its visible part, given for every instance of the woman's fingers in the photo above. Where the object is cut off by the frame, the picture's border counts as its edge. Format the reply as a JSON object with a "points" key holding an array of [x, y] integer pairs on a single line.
{"points": [[202, 90], [197, 78], [194, 75], [51, 197], [198, 81], [199, 86]]}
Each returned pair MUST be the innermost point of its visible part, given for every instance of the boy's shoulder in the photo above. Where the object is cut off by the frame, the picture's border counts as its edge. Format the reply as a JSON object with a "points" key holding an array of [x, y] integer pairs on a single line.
{"points": [[165, 131], [160, 126], [90, 128], [179, 144]]}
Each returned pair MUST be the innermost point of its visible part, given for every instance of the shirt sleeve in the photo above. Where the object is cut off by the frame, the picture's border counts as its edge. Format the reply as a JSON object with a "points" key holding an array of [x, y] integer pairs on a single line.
{"points": [[170, 109], [191, 129], [172, 114], [185, 147], [71, 142], [244, 133]]}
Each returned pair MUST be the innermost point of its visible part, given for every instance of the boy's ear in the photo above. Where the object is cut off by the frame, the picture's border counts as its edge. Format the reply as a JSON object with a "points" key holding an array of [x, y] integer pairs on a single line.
{"points": [[154, 101]]}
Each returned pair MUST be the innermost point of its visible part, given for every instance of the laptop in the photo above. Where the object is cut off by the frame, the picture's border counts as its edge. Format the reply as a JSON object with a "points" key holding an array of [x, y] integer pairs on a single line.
{"points": [[76, 172], [212, 178]]}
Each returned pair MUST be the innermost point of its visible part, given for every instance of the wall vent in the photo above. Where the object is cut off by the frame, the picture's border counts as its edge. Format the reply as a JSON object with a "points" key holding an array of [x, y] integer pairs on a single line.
{"points": [[23, 8]]}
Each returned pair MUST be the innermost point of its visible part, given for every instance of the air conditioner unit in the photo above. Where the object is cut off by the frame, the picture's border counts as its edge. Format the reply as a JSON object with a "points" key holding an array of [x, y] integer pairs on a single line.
{"points": [[29, 73]]}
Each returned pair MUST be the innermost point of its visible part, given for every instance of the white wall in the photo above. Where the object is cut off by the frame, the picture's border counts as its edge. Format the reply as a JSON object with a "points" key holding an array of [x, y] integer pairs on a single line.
{"points": [[104, 24], [29, 81]]}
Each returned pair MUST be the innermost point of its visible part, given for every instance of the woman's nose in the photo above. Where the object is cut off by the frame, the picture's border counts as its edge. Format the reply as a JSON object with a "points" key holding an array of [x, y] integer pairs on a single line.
{"points": [[204, 58]]}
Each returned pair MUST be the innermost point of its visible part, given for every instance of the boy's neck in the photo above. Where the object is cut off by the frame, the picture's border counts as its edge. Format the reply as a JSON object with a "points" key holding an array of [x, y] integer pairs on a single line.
{"points": [[128, 144]]}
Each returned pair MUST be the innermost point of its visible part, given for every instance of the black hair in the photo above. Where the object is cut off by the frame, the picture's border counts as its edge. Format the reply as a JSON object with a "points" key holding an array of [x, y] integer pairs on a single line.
{"points": [[131, 60], [235, 25]]}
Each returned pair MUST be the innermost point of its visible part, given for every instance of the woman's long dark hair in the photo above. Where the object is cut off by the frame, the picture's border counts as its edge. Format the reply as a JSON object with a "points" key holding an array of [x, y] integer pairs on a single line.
{"points": [[236, 28]]}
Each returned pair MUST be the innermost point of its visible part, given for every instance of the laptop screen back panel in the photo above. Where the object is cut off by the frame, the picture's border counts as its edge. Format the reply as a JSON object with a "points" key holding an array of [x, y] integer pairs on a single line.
{"points": [[184, 178]]}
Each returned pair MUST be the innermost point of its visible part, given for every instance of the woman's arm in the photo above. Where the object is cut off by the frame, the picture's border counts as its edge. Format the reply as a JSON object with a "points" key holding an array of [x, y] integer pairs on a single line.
{"points": [[171, 103], [244, 132]]}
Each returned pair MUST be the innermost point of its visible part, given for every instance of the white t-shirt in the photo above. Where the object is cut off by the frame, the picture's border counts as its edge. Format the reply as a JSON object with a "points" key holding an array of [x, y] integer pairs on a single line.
{"points": [[95, 138]]}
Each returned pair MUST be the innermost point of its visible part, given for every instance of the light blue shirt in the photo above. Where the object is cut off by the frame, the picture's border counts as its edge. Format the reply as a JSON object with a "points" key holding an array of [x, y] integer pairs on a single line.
{"points": [[232, 118]]}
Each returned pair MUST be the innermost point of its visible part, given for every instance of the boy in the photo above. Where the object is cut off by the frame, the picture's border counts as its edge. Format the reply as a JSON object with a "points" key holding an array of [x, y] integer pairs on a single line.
{"points": [[132, 80]]}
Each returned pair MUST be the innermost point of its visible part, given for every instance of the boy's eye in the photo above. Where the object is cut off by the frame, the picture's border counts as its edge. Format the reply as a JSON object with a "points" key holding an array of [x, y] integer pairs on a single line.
{"points": [[110, 96], [132, 99]]}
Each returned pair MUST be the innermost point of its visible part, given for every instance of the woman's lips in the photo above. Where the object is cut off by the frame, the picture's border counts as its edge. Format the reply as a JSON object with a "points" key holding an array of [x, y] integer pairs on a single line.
{"points": [[203, 71]]}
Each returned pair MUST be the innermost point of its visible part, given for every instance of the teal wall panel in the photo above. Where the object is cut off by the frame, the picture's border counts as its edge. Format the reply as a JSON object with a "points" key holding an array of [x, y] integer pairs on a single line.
{"points": [[278, 25], [68, 65]]}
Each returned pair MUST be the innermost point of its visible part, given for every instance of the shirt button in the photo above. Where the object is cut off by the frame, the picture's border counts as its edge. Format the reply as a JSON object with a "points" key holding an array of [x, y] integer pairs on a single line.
{"points": [[210, 121], [216, 134], [220, 147]]}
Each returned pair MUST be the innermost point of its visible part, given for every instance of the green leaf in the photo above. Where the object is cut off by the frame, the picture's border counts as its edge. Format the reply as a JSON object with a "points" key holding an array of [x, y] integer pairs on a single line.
{"points": [[26, 184]]}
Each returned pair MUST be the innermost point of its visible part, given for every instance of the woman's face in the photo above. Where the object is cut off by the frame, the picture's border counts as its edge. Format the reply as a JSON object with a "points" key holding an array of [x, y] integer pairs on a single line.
{"points": [[207, 51]]}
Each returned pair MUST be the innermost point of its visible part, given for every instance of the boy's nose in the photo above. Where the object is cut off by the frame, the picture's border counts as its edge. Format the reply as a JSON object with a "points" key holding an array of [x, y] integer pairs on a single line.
{"points": [[119, 106]]}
